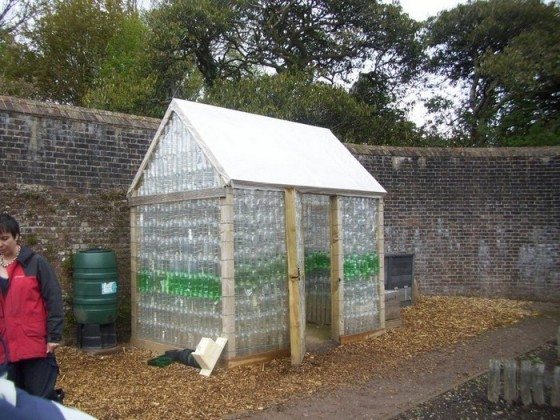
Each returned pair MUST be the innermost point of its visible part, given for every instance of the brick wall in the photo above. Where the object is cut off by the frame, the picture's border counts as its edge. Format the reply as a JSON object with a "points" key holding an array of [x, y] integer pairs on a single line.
{"points": [[65, 172], [69, 147], [478, 221]]}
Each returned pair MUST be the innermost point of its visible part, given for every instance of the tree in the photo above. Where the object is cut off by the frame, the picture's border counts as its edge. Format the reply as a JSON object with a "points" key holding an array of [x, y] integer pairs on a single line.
{"points": [[333, 40], [123, 82], [529, 69], [332, 37], [506, 54], [16, 75], [70, 44], [205, 33]]}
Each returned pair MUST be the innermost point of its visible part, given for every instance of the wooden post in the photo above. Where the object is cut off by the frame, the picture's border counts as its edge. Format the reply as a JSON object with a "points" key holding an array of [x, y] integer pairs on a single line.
{"points": [[227, 272], [133, 274], [525, 382], [494, 380], [337, 273], [555, 394], [538, 384], [296, 300], [415, 292], [381, 255], [510, 380]]}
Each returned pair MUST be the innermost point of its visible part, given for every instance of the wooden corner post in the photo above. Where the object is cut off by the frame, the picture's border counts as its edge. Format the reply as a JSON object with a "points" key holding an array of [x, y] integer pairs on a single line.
{"points": [[227, 272], [295, 280], [133, 274], [380, 229], [337, 273]]}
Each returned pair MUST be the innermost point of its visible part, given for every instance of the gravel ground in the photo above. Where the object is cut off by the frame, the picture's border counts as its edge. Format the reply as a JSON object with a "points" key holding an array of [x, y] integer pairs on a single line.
{"points": [[469, 400]]}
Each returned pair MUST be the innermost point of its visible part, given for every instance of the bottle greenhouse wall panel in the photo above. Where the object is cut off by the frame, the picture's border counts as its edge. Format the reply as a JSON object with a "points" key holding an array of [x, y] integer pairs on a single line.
{"points": [[178, 280], [261, 290], [177, 164], [361, 265], [316, 234]]}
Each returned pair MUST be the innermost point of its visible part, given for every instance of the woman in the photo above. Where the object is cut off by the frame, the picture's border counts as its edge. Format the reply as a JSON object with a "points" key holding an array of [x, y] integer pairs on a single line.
{"points": [[31, 314]]}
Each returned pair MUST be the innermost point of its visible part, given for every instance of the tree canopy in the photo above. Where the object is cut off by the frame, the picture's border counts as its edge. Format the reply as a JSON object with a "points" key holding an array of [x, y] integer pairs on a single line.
{"points": [[507, 53], [348, 65]]}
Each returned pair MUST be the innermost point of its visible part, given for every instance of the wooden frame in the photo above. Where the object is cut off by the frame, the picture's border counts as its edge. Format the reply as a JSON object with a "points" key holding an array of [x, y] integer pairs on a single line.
{"points": [[257, 358], [227, 273], [380, 240], [296, 300], [133, 275], [354, 338], [176, 196], [337, 272]]}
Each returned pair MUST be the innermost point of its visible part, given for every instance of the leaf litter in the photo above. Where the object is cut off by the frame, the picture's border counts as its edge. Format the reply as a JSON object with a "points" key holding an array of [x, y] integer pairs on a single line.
{"points": [[122, 385]]}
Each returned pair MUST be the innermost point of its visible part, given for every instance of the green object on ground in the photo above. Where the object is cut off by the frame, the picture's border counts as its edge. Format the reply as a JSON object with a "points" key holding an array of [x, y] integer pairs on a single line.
{"points": [[161, 361]]}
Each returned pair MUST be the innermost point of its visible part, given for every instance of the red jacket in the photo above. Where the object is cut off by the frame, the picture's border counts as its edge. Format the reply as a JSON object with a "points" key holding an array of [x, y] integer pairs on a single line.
{"points": [[31, 311]]}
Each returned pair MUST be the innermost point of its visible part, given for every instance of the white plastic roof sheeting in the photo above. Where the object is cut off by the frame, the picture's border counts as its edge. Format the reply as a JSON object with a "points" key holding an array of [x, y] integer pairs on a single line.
{"points": [[253, 150]]}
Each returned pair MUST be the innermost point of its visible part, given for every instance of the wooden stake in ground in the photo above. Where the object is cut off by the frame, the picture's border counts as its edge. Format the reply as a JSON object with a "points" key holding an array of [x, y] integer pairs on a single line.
{"points": [[494, 380], [510, 380], [538, 384], [555, 395], [525, 382]]}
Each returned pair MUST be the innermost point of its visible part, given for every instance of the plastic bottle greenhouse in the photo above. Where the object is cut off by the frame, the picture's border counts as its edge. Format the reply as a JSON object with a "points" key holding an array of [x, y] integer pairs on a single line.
{"points": [[253, 229]]}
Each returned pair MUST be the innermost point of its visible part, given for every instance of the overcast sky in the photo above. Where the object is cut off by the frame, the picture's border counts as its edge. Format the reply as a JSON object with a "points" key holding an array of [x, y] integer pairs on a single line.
{"points": [[422, 9]]}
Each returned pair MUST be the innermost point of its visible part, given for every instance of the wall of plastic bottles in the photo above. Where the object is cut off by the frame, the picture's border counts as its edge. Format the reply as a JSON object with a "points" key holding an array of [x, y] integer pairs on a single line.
{"points": [[178, 279], [361, 264], [316, 232], [261, 290], [177, 163]]}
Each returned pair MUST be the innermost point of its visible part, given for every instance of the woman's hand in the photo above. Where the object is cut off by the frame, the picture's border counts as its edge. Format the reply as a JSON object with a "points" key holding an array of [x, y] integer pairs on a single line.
{"points": [[51, 347]]}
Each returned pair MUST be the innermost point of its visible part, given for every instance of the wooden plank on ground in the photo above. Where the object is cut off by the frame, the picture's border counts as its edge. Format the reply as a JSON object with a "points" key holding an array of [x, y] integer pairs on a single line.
{"points": [[257, 358], [354, 338], [538, 384], [494, 379], [555, 393], [525, 382], [510, 380]]}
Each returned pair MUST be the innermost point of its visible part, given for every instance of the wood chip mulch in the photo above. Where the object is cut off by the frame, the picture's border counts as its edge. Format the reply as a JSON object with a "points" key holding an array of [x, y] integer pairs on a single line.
{"points": [[122, 385]]}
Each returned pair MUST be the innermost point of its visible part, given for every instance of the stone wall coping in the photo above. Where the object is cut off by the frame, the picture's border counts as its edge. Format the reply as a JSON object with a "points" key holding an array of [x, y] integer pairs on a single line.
{"points": [[52, 110], [474, 152]]}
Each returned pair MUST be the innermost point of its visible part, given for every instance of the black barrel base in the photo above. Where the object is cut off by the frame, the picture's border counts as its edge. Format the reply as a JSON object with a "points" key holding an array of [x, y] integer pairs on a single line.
{"points": [[95, 337]]}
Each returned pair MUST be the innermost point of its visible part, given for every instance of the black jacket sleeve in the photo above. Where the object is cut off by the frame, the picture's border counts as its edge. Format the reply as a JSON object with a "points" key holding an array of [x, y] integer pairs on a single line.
{"points": [[52, 295]]}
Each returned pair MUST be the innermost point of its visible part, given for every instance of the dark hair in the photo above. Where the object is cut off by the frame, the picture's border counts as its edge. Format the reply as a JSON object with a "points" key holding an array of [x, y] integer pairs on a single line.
{"points": [[9, 225]]}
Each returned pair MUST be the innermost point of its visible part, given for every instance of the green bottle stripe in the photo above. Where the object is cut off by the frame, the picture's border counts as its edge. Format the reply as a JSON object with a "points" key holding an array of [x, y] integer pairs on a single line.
{"points": [[199, 285]]}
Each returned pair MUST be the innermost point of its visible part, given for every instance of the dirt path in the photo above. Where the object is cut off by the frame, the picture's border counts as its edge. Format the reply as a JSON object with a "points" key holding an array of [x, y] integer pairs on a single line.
{"points": [[420, 378]]}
